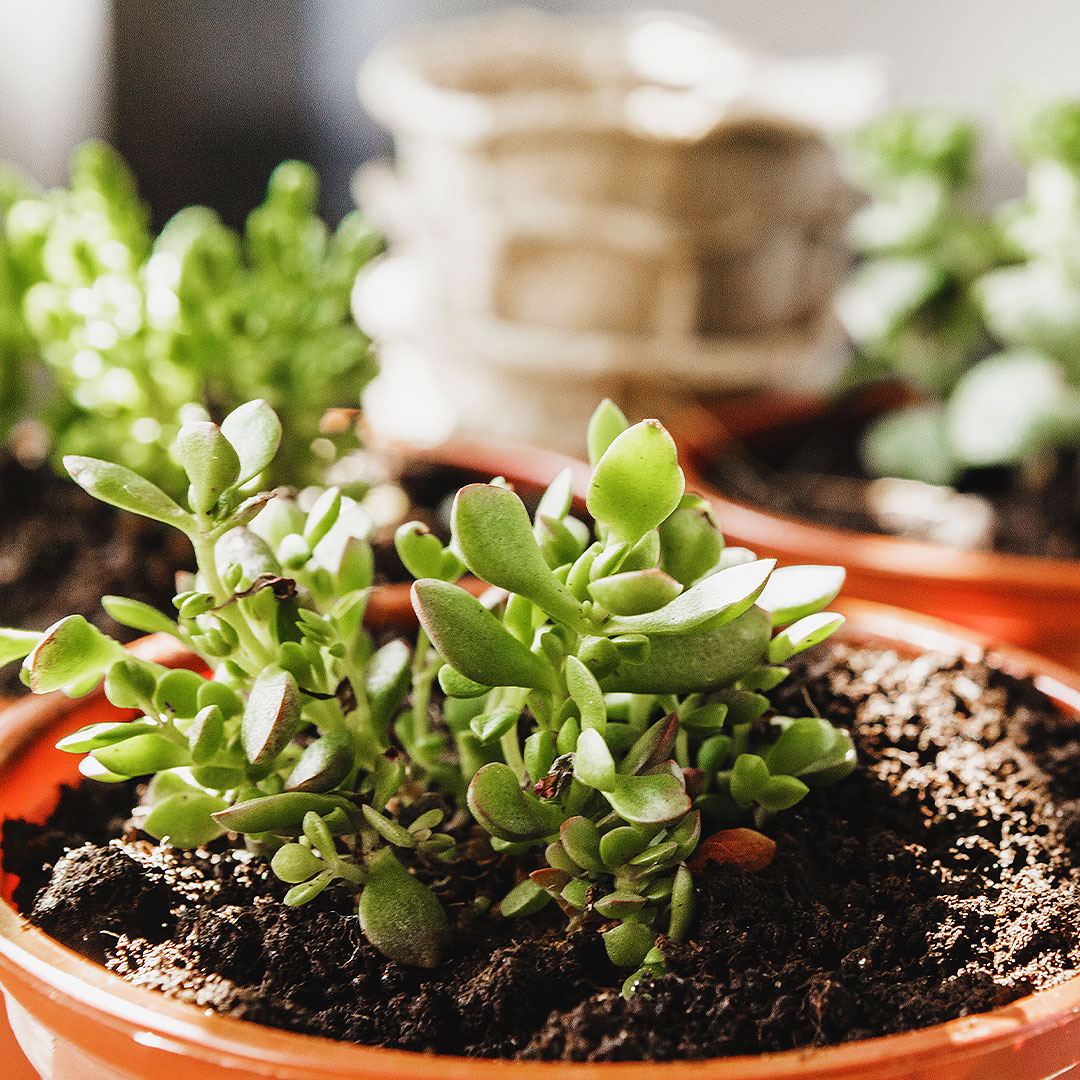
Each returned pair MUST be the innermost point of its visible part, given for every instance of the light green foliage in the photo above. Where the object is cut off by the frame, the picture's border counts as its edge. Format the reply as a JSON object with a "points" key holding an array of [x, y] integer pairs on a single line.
{"points": [[141, 334], [634, 657], [290, 745], [933, 304]]}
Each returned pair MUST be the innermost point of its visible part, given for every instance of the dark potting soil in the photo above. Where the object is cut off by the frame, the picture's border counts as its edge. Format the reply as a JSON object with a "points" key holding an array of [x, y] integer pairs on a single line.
{"points": [[941, 879], [815, 473]]}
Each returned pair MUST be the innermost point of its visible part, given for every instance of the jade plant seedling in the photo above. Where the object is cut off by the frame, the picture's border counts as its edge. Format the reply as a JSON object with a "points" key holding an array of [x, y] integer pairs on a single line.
{"points": [[610, 707], [289, 746], [112, 337]]}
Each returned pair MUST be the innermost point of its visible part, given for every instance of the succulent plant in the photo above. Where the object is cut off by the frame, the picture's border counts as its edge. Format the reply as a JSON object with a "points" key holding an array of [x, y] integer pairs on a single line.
{"points": [[612, 702]]}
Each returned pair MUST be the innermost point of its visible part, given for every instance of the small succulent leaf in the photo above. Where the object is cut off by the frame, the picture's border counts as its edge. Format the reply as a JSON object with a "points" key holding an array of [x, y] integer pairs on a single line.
{"points": [[706, 720], [569, 733], [656, 854], [400, 916], [323, 764], [247, 550], [593, 763], [186, 819], [714, 753], [555, 502], [801, 635], [456, 685], [492, 529], [254, 431], [682, 905], [652, 746], [389, 772], [423, 553], [720, 598], [599, 654], [763, 679], [580, 574], [801, 744], [581, 839], [126, 490], [621, 844], [206, 734], [576, 894], [211, 463], [645, 554], [322, 516], [277, 813], [498, 803], [606, 424], [648, 800], [225, 697], [142, 755], [15, 644], [137, 615], [293, 863], [688, 663], [307, 890], [746, 848], [96, 736], [557, 856], [620, 905], [559, 543], [92, 769], [794, 591], [586, 694], [744, 706], [551, 879], [177, 692], [628, 943], [490, 727], [473, 640], [635, 592], [840, 762], [631, 648], [781, 793], [637, 482], [690, 541], [71, 651], [687, 834], [749, 776], [387, 681], [390, 831], [524, 899], [539, 753], [271, 715], [130, 682], [608, 561]]}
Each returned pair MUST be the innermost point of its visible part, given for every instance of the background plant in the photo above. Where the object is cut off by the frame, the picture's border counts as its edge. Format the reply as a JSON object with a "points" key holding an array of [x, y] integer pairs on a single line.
{"points": [[139, 334], [612, 703], [289, 745], [998, 354]]}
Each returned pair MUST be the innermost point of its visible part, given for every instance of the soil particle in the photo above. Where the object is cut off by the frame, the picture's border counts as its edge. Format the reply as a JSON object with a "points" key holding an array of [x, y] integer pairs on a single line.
{"points": [[939, 880]]}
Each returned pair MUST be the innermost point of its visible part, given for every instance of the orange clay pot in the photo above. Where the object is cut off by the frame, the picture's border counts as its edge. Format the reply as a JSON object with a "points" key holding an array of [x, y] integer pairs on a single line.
{"points": [[1026, 600], [528, 468], [80, 1022]]}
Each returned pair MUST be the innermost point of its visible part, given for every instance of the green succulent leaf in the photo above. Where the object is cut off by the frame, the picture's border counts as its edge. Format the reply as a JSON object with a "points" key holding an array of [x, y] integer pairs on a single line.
{"points": [[271, 716], [713, 601], [71, 652], [801, 744], [654, 799], [803, 634], [586, 694], [400, 915], [555, 502], [209, 460], [781, 793], [456, 685], [206, 735], [748, 778], [138, 616], [606, 424], [581, 839], [619, 845], [254, 431], [387, 681], [274, 813], [186, 819], [524, 899], [498, 803], [637, 482], [424, 555], [390, 831], [690, 542], [593, 763], [490, 727], [628, 943], [142, 755], [126, 490], [96, 736], [294, 863], [635, 592], [470, 638], [15, 644], [323, 764], [492, 529], [177, 692], [795, 591], [682, 904]]}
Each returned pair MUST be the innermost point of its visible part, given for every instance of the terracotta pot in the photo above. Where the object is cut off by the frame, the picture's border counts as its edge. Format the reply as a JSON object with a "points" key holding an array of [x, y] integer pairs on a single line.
{"points": [[1026, 600], [75, 1019]]}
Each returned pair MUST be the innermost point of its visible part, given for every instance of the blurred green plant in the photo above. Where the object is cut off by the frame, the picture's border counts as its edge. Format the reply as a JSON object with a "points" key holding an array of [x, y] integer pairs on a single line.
{"points": [[982, 315], [139, 334]]}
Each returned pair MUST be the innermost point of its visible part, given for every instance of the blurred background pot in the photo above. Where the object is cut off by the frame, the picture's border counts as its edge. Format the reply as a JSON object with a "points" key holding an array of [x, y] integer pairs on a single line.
{"points": [[75, 1019], [1027, 600], [611, 206]]}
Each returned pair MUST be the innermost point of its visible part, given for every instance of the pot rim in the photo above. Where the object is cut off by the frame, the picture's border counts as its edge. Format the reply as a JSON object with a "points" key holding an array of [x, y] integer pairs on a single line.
{"points": [[29, 957], [699, 432]]}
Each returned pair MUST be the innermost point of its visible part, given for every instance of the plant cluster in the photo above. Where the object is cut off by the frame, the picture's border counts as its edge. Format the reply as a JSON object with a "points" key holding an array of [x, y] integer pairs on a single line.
{"points": [[603, 711], [111, 337], [982, 314]]}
